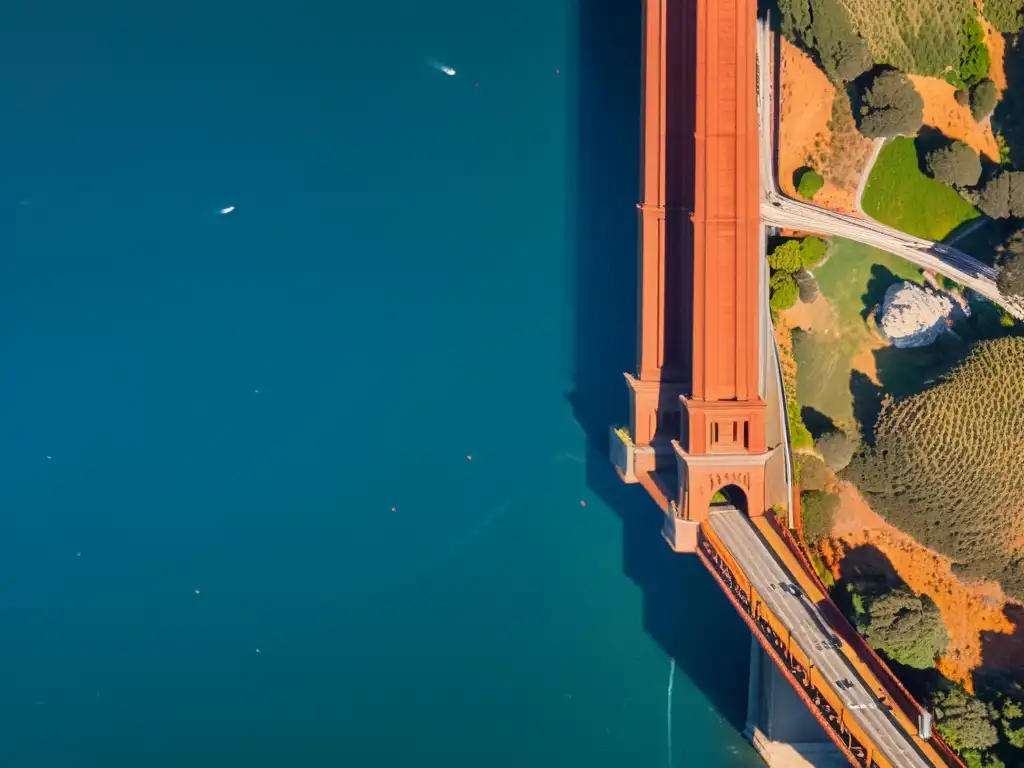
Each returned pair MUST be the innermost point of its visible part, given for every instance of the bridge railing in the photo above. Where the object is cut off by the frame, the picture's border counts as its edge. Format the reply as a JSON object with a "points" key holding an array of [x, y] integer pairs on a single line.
{"points": [[820, 699], [894, 689]]}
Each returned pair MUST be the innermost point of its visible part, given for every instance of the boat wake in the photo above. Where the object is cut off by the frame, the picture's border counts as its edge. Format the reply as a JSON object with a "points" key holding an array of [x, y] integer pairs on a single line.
{"points": [[442, 67]]}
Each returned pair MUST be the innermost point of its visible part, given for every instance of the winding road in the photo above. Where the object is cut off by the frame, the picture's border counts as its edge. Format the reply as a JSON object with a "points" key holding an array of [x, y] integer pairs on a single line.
{"points": [[780, 211]]}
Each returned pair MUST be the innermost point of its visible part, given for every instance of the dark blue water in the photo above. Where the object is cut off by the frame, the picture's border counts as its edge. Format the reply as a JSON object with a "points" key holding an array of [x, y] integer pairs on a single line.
{"points": [[420, 268]]}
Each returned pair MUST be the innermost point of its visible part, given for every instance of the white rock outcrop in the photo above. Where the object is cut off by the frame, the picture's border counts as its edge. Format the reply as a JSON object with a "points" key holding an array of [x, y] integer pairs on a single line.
{"points": [[912, 315]]}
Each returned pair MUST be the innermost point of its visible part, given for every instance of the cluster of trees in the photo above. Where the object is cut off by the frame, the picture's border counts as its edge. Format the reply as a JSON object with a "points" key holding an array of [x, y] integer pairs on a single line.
{"points": [[848, 37], [941, 38], [907, 628], [955, 164], [980, 726], [1005, 15], [1002, 197], [824, 27], [890, 106], [790, 279], [945, 464]]}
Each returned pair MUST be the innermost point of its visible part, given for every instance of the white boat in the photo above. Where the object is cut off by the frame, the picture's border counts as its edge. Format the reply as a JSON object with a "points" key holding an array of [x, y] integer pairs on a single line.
{"points": [[448, 71], [225, 211]]}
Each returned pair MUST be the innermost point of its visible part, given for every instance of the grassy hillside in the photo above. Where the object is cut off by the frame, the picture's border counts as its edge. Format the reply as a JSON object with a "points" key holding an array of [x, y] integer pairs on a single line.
{"points": [[946, 465], [852, 282], [900, 195]]}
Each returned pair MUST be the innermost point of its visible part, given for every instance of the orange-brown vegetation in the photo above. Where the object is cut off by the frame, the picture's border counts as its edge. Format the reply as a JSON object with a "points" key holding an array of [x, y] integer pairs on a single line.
{"points": [[942, 112], [975, 613], [810, 136]]}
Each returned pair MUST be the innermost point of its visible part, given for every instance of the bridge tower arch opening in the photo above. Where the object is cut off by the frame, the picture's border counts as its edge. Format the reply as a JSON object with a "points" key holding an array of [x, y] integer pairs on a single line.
{"points": [[730, 495]]}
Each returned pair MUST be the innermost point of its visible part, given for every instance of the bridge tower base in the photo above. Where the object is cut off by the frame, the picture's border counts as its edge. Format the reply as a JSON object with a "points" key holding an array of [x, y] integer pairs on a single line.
{"points": [[779, 725]]}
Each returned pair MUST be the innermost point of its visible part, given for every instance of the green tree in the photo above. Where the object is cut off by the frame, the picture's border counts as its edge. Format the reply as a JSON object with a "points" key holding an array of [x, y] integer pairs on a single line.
{"points": [[812, 251], [1011, 718], [810, 182], [963, 720], [974, 56], [1010, 265], [783, 291], [983, 99], [795, 21], [836, 448], [843, 53], [974, 758], [906, 627], [786, 257], [811, 472], [1004, 15], [890, 106], [955, 164], [1003, 196], [818, 514]]}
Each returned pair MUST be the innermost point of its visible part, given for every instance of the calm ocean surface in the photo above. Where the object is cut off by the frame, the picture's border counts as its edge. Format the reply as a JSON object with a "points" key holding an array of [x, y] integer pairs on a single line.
{"points": [[419, 268]]}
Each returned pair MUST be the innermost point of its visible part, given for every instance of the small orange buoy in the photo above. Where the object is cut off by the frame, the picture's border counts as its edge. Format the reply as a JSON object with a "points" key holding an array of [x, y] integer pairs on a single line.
{"points": [[583, 503]]}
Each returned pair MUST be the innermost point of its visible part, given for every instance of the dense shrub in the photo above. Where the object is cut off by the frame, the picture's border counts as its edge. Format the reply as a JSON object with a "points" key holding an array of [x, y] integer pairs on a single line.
{"points": [[1004, 15], [925, 37], [836, 448], [818, 514], [983, 99], [963, 720], [824, 27], [890, 106], [799, 435], [812, 251], [1010, 265], [810, 182], [843, 54], [945, 464], [906, 627], [786, 257], [963, 98], [1003, 196], [783, 291], [795, 21], [955, 164], [812, 474], [974, 56], [807, 285]]}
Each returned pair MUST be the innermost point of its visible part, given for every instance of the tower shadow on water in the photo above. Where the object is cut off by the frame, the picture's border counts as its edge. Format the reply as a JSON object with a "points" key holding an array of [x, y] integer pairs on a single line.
{"points": [[683, 611]]}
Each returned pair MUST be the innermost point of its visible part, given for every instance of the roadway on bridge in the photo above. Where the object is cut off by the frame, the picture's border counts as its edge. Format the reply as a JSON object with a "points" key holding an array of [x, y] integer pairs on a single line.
{"points": [[812, 634]]}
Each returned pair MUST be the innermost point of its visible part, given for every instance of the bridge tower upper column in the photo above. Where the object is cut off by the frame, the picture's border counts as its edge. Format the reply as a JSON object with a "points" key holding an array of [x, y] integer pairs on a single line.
{"points": [[662, 370], [722, 432]]}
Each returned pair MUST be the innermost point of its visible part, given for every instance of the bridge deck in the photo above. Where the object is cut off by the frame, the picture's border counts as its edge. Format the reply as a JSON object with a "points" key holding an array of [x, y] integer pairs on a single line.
{"points": [[770, 579]]}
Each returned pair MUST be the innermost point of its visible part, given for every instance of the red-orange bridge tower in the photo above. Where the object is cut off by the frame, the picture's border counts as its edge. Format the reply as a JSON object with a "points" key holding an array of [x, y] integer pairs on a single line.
{"points": [[698, 422]]}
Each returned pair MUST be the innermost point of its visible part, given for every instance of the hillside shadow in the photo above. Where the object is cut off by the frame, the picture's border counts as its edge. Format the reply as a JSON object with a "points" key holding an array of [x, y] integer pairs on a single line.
{"points": [[879, 282], [1002, 654], [905, 372], [817, 423], [927, 140], [867, 403], [683, 610], [1008, 117]]}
